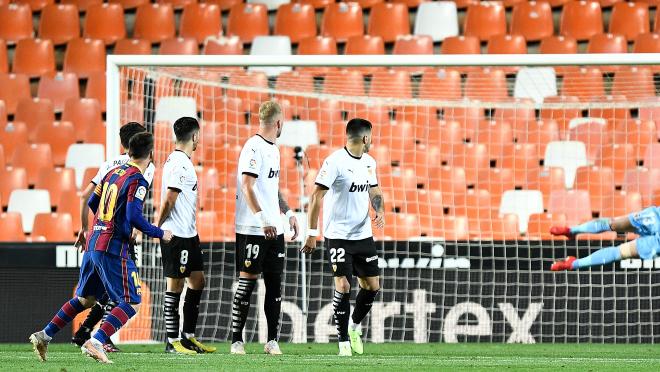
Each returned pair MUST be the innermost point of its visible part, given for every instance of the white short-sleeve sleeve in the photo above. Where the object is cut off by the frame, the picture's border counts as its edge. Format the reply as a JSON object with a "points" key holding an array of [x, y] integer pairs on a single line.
{"points": [[327, 174], [250, 161], [371, 170], [149, 173], [100, 173], [177, 179]]}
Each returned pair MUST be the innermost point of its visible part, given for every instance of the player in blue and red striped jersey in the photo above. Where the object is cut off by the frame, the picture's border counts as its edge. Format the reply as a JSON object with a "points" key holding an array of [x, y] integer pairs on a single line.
{"points": [[117, 204]]}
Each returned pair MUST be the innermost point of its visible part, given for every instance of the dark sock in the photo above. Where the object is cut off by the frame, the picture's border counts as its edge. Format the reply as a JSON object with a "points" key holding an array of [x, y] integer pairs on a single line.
{"points": [[107, 309], [121, 314], [64, 316], [363, 302], [95, 315], [241, 307], [191, 310], [273, 303], [342, 305], [171, 312]]}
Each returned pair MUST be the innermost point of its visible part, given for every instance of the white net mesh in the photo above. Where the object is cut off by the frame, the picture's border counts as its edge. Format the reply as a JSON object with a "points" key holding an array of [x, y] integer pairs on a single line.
{"points": [[475, 163]]}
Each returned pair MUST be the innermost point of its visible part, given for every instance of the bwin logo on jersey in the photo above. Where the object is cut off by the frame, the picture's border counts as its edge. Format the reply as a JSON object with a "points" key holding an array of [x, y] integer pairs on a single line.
{"points": [[358, 188], [273, 173]]}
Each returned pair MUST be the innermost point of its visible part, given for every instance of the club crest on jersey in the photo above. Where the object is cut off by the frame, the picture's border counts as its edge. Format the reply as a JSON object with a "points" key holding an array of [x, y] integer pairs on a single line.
{"points": [[358, 188], [273, 173], [182, 269], [141, 192], [247, 263], [334, 268]]}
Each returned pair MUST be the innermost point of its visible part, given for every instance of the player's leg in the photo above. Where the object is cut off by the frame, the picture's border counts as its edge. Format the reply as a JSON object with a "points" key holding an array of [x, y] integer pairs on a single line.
{"points": [[341, 263], [196, 283], [273, 268], [248, 264], [601, 257], [84, 332], [107, 309], [365, 264], [622, 224]]}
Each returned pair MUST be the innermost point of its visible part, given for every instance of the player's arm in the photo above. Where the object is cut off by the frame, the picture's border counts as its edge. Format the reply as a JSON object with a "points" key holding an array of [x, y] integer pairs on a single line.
{"points": [[313, 211], [84, 215], [95, 199], [167, 206], [377, 203], [293, 221], [134, 206], [247, 188]]}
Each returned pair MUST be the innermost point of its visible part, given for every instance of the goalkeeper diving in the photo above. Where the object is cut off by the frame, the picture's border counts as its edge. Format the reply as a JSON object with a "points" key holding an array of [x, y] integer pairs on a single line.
{"points": [[645, 223]]}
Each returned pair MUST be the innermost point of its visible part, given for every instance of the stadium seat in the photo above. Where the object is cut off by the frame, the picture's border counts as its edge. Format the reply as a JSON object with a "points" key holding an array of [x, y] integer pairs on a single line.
{"points": [[13, 88], [558, 45], [248, 21], [403, 227], [4, 58], [342, 21], [389, 20], [522, 203], [623, 203], [639, 133], [426, 20], [33, 158], [271, 45], [13, 135], [96, 88], [496, 181], [297, 21], [486, 85], [129, 4], [507, 44], [606, 108], [105, 22], [56, 181], [223, 45], [635, 82], [593, 132], [619, 157], [34, 57], [562, 116], [473, 158], [440, 84], [85, 57], [599, 183], [13, 179], [365, 45], [460, 45], [11, 228], [535, 83], [177, 4], [324, 45], [391, 83], [607, 43], [59, 135], [569, 155], [413, 44], [15, 22], [629, 19], [154, 22], [35, 5], [83, 5], [495, 134], [532, 20], [200, 21], [540, 224], [58, 89], [652, 155], [644, 181], [55, 227], [83, 113], [485, 20], [207, 222], [33, 112], [59, 23], [586, 83], [83, 156], [3, 163], [29, 203], [519, 156], [647, 43], [574, 204], [581, 19], [132, 46], [180, 46]]}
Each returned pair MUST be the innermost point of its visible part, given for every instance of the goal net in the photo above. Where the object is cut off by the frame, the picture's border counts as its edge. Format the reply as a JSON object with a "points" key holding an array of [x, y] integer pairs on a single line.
{"points": [[476, 162]]}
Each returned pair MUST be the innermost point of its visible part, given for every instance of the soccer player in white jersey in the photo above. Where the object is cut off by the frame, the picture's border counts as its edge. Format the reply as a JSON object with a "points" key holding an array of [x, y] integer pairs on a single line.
{"points": [[348, 182], [182, 256], [260, 247], [103, 307]]}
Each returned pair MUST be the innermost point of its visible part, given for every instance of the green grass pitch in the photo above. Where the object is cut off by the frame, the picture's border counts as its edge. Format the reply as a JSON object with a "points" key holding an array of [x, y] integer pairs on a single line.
{"points": [[381, 357]]}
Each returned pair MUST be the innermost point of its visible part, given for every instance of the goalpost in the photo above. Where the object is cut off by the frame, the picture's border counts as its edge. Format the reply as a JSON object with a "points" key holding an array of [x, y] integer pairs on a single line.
{"points": [[477, 156]]}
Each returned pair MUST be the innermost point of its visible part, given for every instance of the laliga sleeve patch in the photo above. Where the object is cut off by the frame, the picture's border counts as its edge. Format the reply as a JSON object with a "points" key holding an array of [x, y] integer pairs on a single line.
{"points": [[141, 192], [253, 164]]}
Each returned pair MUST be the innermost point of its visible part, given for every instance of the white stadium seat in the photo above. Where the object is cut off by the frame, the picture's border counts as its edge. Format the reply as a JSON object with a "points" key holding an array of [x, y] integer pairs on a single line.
{"points": [[569, 155], [438, 19], [172, 108], [29, 203], [299, 133], [535, 83], [522, 203], [270, 4], [271, 46], [81, 156]]}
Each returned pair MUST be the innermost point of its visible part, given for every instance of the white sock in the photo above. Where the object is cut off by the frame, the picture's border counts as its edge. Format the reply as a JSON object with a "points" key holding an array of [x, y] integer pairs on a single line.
{"points": [[171, 340], [188, 335], [46, 337], [354, 326]]}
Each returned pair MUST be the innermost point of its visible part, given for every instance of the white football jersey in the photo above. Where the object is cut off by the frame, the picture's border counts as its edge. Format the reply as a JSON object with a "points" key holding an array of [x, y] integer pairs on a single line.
{"points": [[179, 175], [259, 158], [346, 204], [122, 159]]}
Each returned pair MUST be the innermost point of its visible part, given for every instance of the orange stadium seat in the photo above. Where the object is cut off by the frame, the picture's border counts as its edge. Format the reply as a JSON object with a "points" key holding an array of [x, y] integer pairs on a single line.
{"points": [[413, 44], [635, 82], [36, 5], [85, 57], [629, 19], [83, 113], [623, 203], [2, 159], [34, 57], [248, 21], [486, 85], [129, 4], [4, 58], [540, 133], [15, 22], [59, 23], [599, 182], [295, 20], [60, 135], [499, 228], [33, 158], [154, 22], [496, 181], [317, 45], [539, 225], [562, 116], [89, 175], [200, 21], [460, 45], [410, 3], [607, 110], [520, 115], [647, 43], [473, 158], [177, 4], [366, 4], [96, 88], [179, 45], [574, 204], [55, 227], [593, 134], [519, 156], [607, 43], [581, 19], [13, 178], [619, 157], [13, 135], [403, 227], [558, 45], [223, 45], [462, 4], [485, 20], [585, 83], [59, 88], [496, 134], [33, 112], [105, 22], [11, 227], [69, 202], [342, 20], [532, 20], [132, 46], [391, 83], [639, 133], [83, 5], [207, 222], [13, 88], [507, 44], [365, 44], [389, 20], [317, 4], [652, 156], [644, 181], [441, 84], [56, 181]]}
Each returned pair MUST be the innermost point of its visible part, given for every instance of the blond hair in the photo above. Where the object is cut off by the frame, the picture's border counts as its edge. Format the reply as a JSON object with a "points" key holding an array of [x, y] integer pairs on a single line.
{"points": [[268, 112]]}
